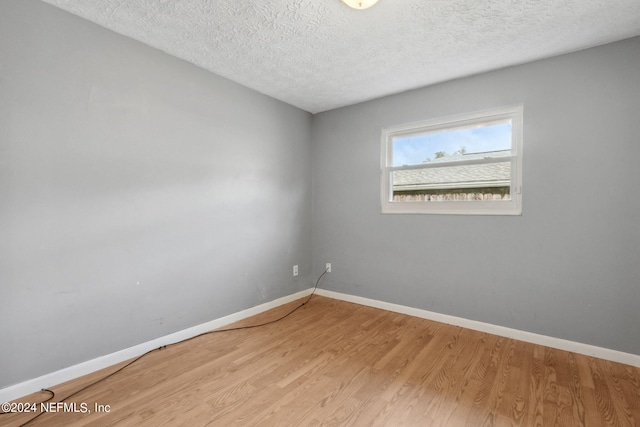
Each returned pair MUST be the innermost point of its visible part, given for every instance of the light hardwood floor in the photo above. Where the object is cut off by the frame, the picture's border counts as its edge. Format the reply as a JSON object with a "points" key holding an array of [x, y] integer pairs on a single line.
{"points": [[335, 363]]}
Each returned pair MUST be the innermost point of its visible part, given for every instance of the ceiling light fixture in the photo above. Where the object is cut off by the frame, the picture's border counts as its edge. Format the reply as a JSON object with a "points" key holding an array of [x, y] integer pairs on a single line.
{"points": [[360, 4]]}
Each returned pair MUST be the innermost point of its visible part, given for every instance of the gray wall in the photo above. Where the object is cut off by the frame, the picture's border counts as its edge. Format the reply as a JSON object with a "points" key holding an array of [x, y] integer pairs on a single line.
{"points": [[120, 164], [569, 267]]}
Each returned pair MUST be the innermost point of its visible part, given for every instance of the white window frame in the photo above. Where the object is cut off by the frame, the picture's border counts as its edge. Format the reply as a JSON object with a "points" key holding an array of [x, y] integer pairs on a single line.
{"points": [[485, 207]]}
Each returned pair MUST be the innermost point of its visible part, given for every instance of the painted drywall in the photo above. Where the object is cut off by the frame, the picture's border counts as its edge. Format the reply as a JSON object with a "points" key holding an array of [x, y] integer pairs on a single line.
{"points": [[567, 268], [139, 194]]}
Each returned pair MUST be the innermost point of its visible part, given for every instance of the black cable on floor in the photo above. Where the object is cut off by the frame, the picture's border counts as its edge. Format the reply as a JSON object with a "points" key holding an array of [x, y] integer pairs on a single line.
{"points": [[315, 287]]}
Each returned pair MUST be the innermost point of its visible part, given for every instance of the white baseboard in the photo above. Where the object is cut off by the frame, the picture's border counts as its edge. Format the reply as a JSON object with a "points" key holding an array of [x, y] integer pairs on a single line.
{"points": [[561, 344], [49, 380]]}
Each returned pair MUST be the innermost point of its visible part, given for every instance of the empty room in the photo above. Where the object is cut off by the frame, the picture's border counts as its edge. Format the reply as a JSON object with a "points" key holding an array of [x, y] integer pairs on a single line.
{"points": [[319, 213]]}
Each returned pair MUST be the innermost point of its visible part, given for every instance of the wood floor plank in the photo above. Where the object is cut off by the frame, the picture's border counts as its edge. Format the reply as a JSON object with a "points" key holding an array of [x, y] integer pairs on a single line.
{"points": [[333, 363]]}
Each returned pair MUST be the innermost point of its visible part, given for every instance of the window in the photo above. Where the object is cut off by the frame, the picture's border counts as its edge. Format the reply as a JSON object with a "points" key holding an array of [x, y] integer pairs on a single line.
{"points": [[470, 164]]}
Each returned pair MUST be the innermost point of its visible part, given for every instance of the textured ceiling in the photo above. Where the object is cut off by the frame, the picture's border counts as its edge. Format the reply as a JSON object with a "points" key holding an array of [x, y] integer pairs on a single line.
{"points": [[319, 54]]}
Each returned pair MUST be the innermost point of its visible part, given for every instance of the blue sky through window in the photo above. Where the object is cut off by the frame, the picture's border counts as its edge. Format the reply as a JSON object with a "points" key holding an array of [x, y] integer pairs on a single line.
{"points": [[415, 150]]}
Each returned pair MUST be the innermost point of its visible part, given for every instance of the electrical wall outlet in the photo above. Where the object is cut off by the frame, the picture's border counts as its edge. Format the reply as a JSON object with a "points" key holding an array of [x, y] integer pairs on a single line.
{"points": [[328, 267], [295, 270]]}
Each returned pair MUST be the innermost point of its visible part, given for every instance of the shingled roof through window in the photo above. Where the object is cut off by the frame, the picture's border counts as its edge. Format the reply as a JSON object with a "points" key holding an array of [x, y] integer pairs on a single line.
{"points": [[459, 176]]}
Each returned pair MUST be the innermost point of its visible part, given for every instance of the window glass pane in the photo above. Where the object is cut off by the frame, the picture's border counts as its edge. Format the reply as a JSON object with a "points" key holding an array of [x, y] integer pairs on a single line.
{"points": [[485, 181], [493, 140], [469, 164]]}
